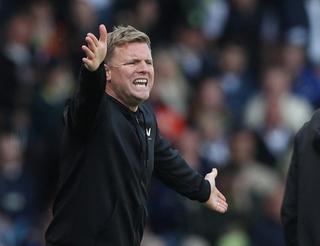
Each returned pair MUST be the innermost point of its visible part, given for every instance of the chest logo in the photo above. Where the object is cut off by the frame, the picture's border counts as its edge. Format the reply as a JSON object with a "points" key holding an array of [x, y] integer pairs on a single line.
{"points": [[148, 132]]}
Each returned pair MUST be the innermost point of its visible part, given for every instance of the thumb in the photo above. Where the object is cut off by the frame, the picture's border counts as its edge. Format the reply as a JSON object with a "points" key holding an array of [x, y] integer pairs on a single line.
{"points": [[211, 176], [103, 33], [214, 172]]}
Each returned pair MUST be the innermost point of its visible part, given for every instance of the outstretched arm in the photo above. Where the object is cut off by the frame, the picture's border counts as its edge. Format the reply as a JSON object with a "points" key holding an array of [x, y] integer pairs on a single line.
{"points": [[82, 110], [216, 201], [173, 170], [95, 50]]}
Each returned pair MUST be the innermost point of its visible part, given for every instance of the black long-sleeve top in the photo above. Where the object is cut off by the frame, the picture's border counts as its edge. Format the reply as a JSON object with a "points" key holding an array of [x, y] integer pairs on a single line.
{"points": [[300, 209], [109, 155]]}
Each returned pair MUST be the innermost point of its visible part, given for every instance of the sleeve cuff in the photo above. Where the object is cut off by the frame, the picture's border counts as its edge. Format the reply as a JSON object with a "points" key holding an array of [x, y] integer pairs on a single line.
{"points": [[205, 190], [92, 74]]}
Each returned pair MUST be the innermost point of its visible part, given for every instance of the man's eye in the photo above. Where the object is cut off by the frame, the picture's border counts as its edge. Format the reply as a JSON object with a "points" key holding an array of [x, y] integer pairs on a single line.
{"points": [[130, 63]]}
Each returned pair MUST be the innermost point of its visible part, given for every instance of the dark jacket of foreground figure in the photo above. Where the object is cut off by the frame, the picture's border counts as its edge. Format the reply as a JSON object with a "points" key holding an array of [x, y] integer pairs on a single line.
{"points": [[109, 156], [301, 204]]}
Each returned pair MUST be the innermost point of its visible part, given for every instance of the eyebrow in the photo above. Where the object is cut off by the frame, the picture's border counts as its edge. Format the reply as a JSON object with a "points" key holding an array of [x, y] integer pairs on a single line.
{"points": [[129, 60], [138, 59]]}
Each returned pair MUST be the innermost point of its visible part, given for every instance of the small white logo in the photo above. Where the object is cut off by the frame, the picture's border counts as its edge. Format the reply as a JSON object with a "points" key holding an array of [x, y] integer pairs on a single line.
{"points": [[148, 131]]}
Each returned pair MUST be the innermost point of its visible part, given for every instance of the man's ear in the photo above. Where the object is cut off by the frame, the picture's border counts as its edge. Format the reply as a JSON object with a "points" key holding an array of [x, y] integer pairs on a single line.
{"points": [[108, 72]]}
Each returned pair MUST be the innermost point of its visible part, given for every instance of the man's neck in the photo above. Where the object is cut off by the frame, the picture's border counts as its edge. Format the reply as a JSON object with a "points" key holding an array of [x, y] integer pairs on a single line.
{"points": [[111, 93]]}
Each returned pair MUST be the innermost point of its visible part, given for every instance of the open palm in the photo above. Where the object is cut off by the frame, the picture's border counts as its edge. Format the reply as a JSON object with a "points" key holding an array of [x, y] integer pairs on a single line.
{"points": [[217, 200], [96, 49]]}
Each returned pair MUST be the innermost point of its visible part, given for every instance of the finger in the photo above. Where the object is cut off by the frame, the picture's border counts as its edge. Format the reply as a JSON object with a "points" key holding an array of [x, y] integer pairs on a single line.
{"points": [[214, 172], [220, 195], [224, 206], [94, 39], [103, 33], [221, 206], [89, 54], [91, 43], [221, 210], [87, 62]]}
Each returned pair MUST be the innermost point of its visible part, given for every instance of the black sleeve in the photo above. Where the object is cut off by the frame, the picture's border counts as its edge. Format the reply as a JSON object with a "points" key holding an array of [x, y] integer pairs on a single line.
{"points": [[173, 170], [289, 205], [81, 111]]}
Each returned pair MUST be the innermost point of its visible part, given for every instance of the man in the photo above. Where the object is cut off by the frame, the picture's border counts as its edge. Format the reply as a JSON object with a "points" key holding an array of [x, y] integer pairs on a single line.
{"points": [[300, 208], [112, 146]]}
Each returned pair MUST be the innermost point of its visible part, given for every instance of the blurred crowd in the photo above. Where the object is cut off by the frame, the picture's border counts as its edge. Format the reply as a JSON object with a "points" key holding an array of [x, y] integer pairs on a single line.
{"points": [[234, 81]]}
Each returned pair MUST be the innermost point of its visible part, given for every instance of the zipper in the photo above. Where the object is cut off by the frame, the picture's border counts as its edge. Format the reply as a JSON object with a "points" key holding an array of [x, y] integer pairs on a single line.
{"points": [[144, 145]]}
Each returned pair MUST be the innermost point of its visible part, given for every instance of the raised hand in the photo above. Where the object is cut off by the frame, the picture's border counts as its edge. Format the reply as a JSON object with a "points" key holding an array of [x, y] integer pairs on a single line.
{"points": [[216, 201], [95, 50]]}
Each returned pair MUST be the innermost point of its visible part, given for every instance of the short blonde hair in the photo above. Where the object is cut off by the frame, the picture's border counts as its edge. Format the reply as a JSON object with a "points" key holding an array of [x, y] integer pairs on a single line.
{"points": [[122, 35]]}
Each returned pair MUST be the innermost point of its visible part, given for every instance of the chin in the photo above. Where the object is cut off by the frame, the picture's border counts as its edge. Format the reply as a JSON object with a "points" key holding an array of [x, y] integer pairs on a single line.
{"points": [[143, 97]]}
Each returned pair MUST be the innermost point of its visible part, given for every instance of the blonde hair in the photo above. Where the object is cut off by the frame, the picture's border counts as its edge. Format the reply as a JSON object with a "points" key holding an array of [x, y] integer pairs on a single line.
{"points": [[122, 35]]}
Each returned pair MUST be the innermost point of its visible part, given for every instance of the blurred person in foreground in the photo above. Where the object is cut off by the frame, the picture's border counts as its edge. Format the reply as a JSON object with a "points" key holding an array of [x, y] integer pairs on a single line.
{"points": [[112, 146], [300, 207], [19, 203]]}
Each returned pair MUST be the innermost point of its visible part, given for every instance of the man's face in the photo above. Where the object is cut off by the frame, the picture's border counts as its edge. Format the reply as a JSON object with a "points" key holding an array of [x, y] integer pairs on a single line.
{"points": [[130, 74]]}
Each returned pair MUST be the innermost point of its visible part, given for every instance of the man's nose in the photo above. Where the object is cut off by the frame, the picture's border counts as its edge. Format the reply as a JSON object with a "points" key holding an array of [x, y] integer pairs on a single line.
{"points": [[142, 67]]}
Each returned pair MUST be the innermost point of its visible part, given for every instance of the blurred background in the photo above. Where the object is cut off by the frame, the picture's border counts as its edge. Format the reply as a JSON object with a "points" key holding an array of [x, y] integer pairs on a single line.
{"points": [[235, 80]]}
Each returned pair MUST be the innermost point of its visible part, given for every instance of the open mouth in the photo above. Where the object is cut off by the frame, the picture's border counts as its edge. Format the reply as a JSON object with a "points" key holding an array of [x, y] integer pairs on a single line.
{"points": [[140, 82]]}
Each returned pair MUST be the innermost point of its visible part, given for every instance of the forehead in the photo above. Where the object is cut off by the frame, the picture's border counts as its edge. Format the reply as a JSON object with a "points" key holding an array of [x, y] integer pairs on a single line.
{"points": [[135, 50]]}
